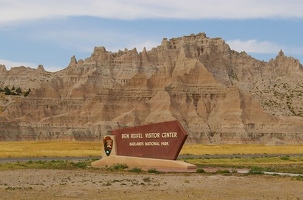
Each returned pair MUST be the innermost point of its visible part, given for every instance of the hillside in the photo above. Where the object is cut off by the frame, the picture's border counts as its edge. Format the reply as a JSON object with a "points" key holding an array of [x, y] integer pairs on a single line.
{"points": [[218, 95]]}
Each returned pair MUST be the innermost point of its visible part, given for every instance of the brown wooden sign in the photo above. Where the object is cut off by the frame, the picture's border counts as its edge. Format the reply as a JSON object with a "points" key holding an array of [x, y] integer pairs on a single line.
{"points": [[160, 140]]}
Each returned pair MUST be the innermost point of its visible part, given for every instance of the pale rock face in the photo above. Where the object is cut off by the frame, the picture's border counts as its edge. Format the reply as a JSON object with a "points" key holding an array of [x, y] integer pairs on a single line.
{"points": [[217, 94]]}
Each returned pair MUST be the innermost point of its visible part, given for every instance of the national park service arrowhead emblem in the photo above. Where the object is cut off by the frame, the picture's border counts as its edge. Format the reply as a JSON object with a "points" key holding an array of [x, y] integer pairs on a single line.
{"points": [[108, 145]]}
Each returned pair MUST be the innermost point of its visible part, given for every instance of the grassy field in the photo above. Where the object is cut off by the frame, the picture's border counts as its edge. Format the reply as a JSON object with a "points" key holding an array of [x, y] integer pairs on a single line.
{"points": [[49, 149], [232, 149], [77, 148], [263, 162]]}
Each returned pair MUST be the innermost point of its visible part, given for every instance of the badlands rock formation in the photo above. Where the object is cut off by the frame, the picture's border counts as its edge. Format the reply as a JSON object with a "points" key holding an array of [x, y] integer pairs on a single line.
{"points": [[219, 95]]}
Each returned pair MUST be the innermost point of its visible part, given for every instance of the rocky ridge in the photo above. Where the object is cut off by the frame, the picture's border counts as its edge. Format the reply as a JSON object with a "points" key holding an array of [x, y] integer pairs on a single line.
{"points": [[219, 95]]}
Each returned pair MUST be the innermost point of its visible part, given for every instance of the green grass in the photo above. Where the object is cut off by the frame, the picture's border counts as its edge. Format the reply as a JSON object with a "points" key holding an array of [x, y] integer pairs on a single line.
{"points": [[289, 164], [255, 165], [117, 167], [53, 164], [153, 171], [136, 170], [286, 164]]}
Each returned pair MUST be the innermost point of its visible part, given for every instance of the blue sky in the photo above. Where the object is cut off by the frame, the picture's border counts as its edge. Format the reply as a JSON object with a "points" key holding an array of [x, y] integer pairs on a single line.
{"points": [[50, 32]]}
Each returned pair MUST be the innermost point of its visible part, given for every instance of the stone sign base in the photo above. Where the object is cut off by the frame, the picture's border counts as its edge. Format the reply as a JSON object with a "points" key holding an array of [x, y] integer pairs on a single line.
{"points": [[146, 163]]}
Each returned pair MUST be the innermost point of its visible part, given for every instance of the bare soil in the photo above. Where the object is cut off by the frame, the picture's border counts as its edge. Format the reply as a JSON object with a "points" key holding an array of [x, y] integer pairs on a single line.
{"points": [[90, 184]]}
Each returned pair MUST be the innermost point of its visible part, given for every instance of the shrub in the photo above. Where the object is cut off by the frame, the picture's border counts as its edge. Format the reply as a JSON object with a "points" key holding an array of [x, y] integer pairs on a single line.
{"points": [[80, 165], [27, 92], [285, 158], [136, 170], [299, 178], [118, 166], [153, 171], [200, 170], [7, 91], [256, 170], [146, 179], [29, 162], [18, 90]]}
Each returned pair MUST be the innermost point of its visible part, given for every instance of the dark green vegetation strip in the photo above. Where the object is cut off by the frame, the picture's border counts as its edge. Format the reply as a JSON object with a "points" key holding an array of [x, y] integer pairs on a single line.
{"points": [[40, 164], [284, 164]]}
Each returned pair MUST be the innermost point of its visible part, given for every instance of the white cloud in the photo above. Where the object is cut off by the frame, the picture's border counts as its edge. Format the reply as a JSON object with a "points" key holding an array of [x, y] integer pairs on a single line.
{"points": [[254, 46], [86, 40], [263, 47], [13, 11], [52, 68], [148, 44], [139, 45], [9, 64]]}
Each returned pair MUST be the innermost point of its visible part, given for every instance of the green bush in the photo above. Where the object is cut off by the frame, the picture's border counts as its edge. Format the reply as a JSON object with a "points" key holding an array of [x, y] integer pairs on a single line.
{"points": [[200, 170], [285, 158], [256, 170], [136, 170], [118, 166], [299, 178], [7, 91], [154, 171], [14, 91], [80, 165]]}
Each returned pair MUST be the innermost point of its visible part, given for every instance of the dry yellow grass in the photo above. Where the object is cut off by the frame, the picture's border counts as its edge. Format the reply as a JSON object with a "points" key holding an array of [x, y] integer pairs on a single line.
{"points": [[49, 149], [77, 148], [201, 149]]}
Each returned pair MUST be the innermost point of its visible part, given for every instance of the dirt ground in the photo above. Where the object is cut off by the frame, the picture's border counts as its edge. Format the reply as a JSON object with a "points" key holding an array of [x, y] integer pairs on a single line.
{"points": [[89, 184]]}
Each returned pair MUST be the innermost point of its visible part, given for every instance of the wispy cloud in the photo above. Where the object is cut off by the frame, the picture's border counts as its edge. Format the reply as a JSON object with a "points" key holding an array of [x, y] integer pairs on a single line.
{"points": [[139, 45], [14, 11], [9, 64], [86, 40], [148, 44], [254, 46], [264, 47]]}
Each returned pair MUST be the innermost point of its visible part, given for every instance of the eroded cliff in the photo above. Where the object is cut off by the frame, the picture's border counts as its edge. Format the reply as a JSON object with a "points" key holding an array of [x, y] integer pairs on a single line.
{"points": [[219, 95]]}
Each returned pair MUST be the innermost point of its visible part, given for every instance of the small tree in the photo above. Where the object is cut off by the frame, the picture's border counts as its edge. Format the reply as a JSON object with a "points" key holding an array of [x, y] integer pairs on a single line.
{"points": [[27, 92], [18, 90], [7, 91]]}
